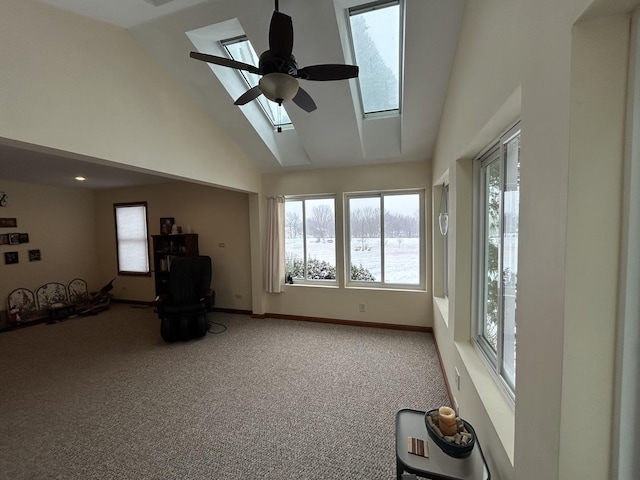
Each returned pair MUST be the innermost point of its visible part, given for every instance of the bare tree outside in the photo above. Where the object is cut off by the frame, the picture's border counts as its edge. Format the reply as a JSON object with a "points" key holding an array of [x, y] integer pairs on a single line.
{"points": [[365, 223], [293, 224], [401, 226], [321, 223]]}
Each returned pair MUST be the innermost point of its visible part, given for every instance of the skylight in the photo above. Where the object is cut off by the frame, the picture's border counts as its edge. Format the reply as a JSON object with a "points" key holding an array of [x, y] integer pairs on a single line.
{"points": [[240, 49], [375, 33]]}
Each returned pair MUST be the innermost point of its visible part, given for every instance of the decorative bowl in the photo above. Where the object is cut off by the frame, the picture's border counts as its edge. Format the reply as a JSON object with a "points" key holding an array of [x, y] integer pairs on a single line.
{"points": [[451, 449]]}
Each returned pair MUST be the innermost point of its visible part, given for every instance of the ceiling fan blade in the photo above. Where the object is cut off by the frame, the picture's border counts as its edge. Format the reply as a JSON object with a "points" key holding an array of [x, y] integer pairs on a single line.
{"points": [[249, 95], [304, 101], [281, 35], [225, 62], [328, 72]]}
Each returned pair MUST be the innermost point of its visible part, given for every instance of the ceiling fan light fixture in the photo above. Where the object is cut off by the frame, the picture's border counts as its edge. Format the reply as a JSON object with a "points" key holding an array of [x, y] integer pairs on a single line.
{"points": [[279, 87]]}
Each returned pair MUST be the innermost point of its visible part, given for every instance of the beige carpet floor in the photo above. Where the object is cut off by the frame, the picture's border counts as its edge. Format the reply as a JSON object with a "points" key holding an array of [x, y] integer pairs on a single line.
{"points": [[104, 397]]}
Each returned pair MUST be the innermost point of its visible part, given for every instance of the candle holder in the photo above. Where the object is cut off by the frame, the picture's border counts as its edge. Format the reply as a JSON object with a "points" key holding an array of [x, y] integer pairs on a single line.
{"points": [[450, 447]]}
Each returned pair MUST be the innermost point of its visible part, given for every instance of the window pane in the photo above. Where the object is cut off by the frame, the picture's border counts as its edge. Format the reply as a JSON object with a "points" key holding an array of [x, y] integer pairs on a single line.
{"points": [[294, 242], [320, 239], [243, 51], [131, 234], [511, 214], [376, 41], [310, 248], [499, 184], [365, 237], [491, 275], [402, 239]]}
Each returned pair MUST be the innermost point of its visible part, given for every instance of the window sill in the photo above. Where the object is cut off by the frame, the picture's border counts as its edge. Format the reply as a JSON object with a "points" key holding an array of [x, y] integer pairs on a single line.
{"points": [[311, 285], [386, 289], [495, 401]]}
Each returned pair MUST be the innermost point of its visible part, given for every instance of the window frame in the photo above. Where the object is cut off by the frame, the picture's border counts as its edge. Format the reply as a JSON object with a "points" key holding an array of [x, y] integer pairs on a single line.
{"points": [[116, 206], [368, 7], [380, 284], [304, 198], [494, 152]]}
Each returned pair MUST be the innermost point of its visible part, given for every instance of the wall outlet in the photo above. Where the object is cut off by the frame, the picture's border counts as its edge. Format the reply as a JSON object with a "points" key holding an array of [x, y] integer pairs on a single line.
{"points": [[221, 245], [457, 379], [362, 307]]}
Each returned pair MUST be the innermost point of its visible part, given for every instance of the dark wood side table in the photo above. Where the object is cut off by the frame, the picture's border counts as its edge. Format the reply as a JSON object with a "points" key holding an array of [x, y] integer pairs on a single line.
{"points": [[439, 465]]}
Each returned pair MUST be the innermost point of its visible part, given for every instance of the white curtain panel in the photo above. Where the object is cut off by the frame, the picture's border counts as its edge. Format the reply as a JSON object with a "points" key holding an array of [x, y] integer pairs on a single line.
{"points": [[275, 244]]}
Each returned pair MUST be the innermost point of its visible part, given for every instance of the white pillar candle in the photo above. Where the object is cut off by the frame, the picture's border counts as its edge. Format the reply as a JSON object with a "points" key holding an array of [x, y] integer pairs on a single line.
{"points": [[447, 421]]}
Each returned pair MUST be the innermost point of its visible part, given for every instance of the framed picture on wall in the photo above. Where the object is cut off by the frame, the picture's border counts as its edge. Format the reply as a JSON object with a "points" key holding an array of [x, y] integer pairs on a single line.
{"points": [[14, 238], [4, 239], [166, 224], [10, 257], [24, 238], [34, 255], [8, 222]]}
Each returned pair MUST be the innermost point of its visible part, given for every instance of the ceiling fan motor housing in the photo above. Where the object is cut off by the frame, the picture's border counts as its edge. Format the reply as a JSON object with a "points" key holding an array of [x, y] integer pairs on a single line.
{"points": [[270, 63]]}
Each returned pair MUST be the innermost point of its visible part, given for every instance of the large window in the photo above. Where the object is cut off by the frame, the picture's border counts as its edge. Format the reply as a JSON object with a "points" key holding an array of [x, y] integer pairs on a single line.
{"points": [[375, 33], [310, 233], [385, 239], [131, 238], [498, 184], [240, 49]]}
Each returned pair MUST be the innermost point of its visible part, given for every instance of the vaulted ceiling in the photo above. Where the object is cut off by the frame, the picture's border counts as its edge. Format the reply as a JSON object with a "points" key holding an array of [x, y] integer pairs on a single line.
{"points": [[337, 133]]}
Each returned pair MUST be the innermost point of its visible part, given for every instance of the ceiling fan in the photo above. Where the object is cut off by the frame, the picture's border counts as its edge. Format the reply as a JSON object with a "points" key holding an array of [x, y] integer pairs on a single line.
{"points": [[279, 69]]}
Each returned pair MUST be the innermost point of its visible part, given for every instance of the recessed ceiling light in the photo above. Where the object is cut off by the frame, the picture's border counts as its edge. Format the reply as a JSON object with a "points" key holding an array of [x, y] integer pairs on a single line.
{"points": [[80, 178]]}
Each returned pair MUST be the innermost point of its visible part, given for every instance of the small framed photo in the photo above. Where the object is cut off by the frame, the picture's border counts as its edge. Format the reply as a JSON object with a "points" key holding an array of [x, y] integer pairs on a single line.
{"points": [[34, 255], [14, 238], [10, 257], [166, 224], [8, 222], [4, 239], [24, 238]]}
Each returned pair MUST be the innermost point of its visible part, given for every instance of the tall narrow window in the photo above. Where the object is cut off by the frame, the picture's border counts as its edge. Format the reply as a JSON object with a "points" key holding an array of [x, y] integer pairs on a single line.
{"points": [[240, 49], [385, 239], [131, 238], [498, 180], [310, 231], [445, 242], [375, 33]]}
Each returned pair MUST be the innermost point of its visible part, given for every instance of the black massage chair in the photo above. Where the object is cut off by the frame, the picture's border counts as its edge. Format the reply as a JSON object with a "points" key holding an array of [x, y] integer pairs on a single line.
{"points": [[188, 298]]}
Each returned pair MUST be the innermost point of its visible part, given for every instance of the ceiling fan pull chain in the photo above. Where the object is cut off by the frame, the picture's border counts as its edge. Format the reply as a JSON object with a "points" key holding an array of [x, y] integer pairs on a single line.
{"points": [[277, 9], [279, 116]]}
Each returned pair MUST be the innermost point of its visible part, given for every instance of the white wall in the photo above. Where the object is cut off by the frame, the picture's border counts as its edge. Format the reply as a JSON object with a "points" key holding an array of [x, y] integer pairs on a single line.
{"points": [[218, 216], [562, 71], [382, 306], [600, 55], [483, 99], [81, 86], [61, 224]]}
